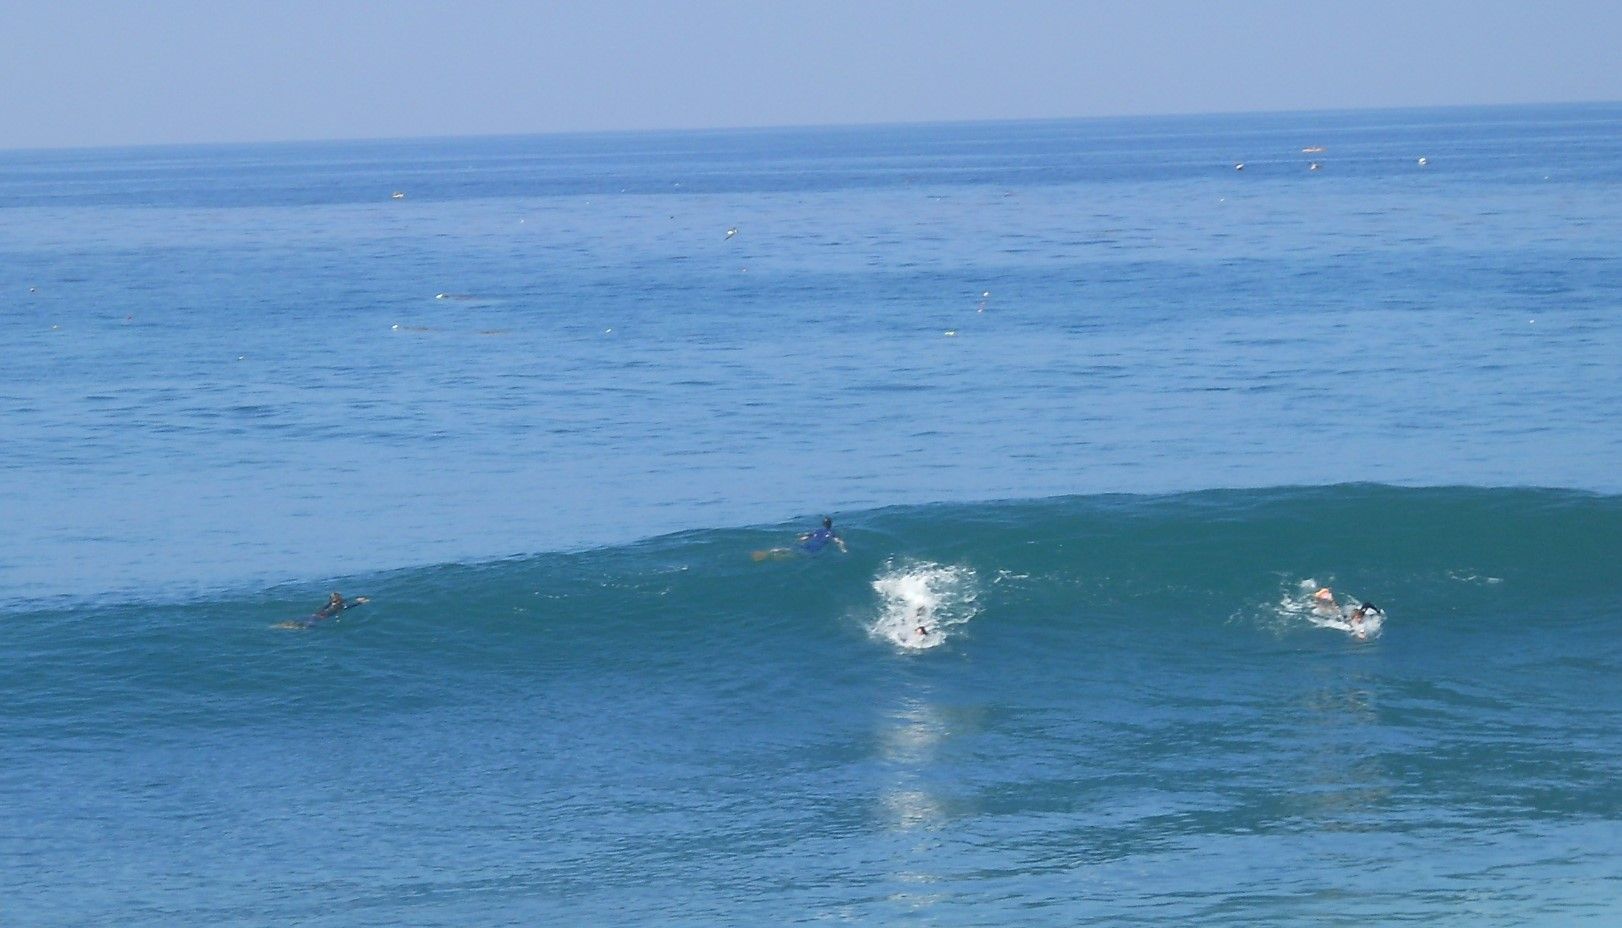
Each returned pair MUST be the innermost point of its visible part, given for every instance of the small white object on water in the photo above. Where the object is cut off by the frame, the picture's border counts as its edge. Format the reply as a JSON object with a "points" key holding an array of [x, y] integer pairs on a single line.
{"points": [[1424, 161], [441, 296], [607, 331], [395, 327], [397, 195], [951, 333], [1240, 166], [1313, 166], [732, 231]]}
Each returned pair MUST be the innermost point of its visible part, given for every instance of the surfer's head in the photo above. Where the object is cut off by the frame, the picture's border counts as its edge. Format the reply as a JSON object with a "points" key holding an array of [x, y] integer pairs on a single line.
{"points": [[827, 522], [1324, 595]]}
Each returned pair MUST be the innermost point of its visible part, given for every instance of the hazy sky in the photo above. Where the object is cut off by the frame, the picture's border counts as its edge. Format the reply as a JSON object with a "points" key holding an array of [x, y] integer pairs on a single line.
{"points": [[76, 72]]}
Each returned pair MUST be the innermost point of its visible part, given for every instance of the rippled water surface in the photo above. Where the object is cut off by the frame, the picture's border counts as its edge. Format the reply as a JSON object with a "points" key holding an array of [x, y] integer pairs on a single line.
{"points": [[1096, 408]]}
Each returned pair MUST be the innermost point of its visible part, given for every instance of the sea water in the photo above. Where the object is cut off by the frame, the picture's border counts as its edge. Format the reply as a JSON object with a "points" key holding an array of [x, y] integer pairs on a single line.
{"points": [[1092, 407]]}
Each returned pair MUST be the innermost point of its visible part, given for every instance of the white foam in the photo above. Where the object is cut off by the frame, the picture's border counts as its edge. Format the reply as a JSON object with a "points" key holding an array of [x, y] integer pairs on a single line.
{"points": [[940, 598]]}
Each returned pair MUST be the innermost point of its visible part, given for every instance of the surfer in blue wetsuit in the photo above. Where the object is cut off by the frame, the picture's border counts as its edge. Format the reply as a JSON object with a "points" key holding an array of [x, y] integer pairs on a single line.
{"points": [[814, 541], [811, 542]]}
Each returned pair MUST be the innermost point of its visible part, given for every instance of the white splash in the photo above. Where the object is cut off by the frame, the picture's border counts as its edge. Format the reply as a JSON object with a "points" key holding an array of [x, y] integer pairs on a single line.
{"points": [[922, 604]]}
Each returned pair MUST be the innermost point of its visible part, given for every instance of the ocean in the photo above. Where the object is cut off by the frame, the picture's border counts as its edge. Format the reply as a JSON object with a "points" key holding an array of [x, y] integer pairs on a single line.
{"points": [[1094, 409]]}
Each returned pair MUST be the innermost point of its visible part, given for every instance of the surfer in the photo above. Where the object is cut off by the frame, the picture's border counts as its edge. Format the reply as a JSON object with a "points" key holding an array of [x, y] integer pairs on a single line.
{"points": [[1324, 601], [810, 542], [1362, 612], [813, 541], [922, 617], [335, 604]]}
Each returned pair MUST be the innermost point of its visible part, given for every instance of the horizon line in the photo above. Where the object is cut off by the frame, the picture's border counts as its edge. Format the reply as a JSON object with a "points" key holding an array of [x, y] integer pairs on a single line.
{"points": [[789, 127]]}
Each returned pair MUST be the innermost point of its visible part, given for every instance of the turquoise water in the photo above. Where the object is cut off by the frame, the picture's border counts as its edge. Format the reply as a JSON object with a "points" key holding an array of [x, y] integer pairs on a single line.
{"points": [[1104, 408]]}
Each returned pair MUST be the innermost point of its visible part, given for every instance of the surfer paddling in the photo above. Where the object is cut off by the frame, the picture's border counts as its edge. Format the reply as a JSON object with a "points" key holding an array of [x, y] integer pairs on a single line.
{"points": [[1361, 613], [1323, 602], [335, 604], [1360, 620], [811, 542]]}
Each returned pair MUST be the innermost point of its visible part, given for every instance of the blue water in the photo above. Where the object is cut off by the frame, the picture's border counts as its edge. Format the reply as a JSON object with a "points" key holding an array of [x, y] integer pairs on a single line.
{"points": [[1103, 408]]}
